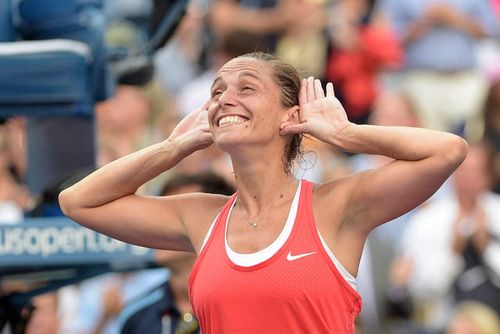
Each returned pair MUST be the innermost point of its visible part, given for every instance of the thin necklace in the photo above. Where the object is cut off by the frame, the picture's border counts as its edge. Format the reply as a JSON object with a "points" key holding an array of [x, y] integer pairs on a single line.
{"points": [[255, 223]]}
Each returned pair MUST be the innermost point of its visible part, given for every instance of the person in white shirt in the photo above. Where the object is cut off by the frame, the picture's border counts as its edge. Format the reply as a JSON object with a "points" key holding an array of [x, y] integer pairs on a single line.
{"points": [[451, 242]]}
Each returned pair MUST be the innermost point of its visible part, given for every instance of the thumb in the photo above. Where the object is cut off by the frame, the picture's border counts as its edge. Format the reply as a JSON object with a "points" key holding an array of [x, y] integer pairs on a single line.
{"points": [[292, 128]]}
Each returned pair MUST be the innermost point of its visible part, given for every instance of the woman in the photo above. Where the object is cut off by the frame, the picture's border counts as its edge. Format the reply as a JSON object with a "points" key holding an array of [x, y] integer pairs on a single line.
{"points": [[281, 255]]}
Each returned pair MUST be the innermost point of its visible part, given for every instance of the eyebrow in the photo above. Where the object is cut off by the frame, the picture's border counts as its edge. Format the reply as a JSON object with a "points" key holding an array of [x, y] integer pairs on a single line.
{"points": [[240, 75], [249, 74]]}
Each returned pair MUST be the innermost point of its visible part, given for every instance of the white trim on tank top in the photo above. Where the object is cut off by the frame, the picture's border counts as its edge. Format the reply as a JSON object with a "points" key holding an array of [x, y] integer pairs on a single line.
{"points": [[209, 232], [342, 270], [252, 259], [248, 260]]}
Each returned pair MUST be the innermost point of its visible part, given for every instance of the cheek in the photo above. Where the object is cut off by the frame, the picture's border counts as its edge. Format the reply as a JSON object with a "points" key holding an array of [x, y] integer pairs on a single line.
{"points": [[213, 106], [212, 109]]}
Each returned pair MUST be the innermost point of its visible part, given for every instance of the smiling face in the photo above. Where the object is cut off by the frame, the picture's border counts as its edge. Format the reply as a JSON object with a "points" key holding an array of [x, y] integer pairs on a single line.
{"points": [[252, 96], [245, 103]]}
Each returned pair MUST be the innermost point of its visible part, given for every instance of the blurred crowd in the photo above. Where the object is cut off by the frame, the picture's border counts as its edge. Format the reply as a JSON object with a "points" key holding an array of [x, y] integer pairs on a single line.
{"points": [[420, 63]]}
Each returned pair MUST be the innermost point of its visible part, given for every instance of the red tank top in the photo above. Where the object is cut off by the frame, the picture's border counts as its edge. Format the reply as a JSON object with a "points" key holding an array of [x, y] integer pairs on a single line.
{"points": [[297, 290]]}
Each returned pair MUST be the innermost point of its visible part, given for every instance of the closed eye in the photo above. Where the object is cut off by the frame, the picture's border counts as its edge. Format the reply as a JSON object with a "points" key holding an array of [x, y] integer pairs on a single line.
{"points": [[216, 93], [247, 89]]}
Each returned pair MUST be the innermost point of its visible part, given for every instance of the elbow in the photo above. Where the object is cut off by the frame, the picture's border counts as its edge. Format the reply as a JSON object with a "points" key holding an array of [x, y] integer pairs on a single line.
{"points": [[455, 151], [65, 202], [461, 147]]}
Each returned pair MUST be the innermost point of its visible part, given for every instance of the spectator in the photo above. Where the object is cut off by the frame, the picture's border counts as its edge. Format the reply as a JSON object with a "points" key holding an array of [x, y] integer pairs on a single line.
{"points": [[360, 50], [45, 317], [441, 76], [14, 197], [39, 316], [304, 43], [184, 50], [266, 18], [123, 120], [452, 244], [100, 300], [496, 7]]}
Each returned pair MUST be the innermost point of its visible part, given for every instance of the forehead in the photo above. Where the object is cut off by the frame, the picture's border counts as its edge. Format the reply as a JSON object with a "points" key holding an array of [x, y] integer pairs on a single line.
{"points": [[246, 66]]}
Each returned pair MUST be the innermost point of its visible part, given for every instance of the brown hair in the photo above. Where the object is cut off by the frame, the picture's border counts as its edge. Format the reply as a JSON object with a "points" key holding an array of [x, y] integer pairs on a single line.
{"points": [[491, 109], [288, 79]]}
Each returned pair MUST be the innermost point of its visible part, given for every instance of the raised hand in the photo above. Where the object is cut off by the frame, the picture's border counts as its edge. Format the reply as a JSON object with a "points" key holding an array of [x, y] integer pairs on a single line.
{"points": [[320, 116], [193, 132]]}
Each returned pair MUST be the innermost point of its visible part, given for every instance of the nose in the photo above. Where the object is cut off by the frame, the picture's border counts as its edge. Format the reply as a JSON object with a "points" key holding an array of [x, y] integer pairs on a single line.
{"points": [[227, 98]]}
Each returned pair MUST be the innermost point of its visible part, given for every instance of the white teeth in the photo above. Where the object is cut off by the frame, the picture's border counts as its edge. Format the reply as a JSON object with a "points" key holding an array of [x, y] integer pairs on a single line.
{"points": [[231, 120]]}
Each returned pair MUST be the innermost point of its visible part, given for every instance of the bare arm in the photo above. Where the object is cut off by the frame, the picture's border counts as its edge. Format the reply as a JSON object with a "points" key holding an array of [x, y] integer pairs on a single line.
{"points": [[424, 159], [106, 200], [348, 209]]}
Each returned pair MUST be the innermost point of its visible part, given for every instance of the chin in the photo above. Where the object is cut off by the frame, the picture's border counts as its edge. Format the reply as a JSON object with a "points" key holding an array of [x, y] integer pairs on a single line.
{"points": [[228, 142]]}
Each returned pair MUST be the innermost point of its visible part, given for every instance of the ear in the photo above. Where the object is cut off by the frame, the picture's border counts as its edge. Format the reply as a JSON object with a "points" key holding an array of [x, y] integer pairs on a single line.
{"points": [[291, 115]]}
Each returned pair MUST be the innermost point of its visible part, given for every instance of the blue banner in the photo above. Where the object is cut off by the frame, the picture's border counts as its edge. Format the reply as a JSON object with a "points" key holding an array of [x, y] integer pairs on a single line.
{"points": [[60, 241]]}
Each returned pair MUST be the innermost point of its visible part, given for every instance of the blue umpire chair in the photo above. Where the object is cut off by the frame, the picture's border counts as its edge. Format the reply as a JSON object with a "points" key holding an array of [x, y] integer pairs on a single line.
{"points": [[54, 67]]}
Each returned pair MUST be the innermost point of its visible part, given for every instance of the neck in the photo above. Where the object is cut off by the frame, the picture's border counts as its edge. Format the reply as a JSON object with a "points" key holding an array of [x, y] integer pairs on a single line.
{"points": [[260, 186], [260, 174]]}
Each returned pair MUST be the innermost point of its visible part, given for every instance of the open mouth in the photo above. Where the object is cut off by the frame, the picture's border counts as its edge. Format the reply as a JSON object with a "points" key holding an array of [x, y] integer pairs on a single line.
{"points": [[231, 120]]}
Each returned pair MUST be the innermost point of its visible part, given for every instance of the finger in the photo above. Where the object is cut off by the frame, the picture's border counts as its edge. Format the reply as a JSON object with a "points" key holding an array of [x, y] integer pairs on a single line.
{"points": [[206, 137], [303, 92], [311, 96], [204, 140], [293, 128], [318, 90], [285, 124], [329, 90], [206, 105]]}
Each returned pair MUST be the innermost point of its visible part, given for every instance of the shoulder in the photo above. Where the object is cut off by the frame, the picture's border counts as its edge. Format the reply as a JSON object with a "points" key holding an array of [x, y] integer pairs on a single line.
{"points": [[200, 201], [331, 199], [202, 204], [198, 212], [340, 189], [197, 207]]}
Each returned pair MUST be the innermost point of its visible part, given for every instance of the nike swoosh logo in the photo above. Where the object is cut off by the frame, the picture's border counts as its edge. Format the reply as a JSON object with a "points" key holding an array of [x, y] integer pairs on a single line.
{"points": [[291, 257]]}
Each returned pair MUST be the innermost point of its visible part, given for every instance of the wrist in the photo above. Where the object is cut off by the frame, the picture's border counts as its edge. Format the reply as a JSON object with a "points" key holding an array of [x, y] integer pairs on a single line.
{"points": [[339, 137], [185, 144], [173, 148]]}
